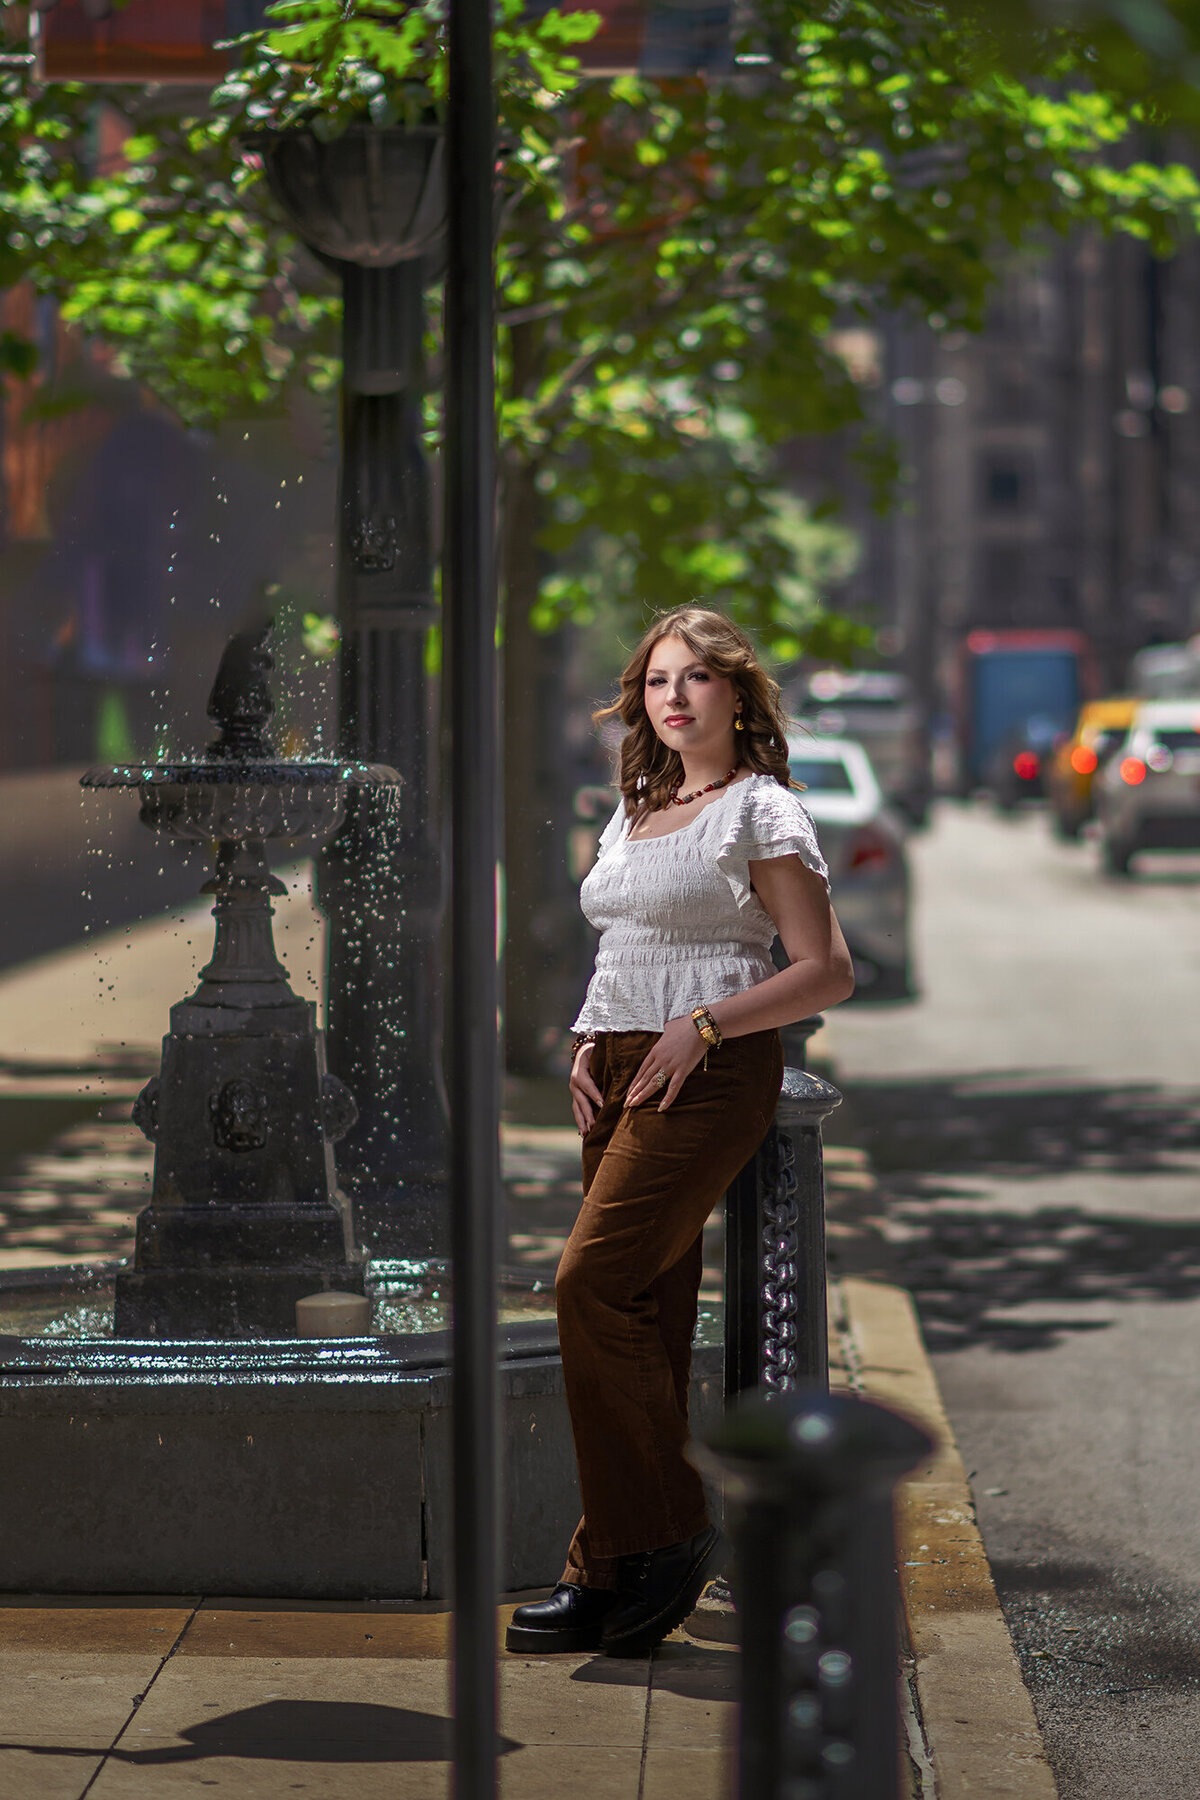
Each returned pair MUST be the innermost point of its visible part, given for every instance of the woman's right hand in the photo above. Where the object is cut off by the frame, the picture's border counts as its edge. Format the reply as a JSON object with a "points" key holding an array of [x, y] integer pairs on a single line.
{"points": [[586, 1098]]}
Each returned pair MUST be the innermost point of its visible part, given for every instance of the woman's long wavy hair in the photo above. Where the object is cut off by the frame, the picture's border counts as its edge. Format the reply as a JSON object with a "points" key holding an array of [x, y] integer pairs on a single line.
{"points": [[650, 772]]}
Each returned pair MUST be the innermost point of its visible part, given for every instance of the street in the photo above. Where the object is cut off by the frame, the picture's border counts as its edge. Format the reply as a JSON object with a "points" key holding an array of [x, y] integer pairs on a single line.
{"points": [[1034, 1119]]}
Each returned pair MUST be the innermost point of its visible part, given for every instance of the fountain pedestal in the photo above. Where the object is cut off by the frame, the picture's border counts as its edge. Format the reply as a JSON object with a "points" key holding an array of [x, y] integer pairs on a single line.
{"points": [[245, 1217]]}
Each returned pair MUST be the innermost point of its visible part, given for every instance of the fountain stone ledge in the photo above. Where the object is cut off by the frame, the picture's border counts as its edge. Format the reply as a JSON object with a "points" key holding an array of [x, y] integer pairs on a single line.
{"points": [[303, 1468]]}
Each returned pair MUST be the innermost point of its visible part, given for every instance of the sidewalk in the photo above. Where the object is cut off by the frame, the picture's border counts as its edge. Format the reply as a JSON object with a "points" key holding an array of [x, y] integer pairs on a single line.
{"points": [[152, 1696]]}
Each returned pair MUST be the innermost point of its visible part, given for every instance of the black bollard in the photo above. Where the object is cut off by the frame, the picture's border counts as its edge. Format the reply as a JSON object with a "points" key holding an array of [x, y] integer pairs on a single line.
{"points": [[776, 1329], [808, 1478]]}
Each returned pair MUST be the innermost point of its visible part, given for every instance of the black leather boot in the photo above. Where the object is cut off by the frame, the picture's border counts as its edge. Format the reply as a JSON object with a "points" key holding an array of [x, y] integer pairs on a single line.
{"points": [[571, 1619], [657, 1589]]}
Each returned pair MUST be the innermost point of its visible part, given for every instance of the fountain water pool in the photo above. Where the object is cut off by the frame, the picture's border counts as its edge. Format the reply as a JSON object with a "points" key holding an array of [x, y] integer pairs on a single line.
{"points": [[74, 1304], [407, 1299]]}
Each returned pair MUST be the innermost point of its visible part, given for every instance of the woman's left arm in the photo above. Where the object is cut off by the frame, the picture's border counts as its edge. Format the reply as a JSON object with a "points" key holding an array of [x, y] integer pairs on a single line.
{"points": [[820, 972]]}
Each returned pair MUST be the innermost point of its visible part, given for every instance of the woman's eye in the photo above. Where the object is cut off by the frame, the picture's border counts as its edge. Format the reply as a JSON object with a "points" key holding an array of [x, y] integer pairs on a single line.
{"points": [[700, 675]]}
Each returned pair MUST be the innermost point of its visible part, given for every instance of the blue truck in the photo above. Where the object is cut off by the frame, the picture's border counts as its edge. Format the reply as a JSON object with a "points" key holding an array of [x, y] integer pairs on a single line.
{"points": [[1017, 693]]}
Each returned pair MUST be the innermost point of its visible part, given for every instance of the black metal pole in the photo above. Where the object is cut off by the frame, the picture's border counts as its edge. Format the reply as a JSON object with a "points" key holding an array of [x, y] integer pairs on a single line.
{"points": [[809, 1477], [469, 579]]}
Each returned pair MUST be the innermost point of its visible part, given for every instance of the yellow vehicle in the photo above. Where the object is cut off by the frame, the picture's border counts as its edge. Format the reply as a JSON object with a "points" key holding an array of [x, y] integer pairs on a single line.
{"points": [[1071, 774]]}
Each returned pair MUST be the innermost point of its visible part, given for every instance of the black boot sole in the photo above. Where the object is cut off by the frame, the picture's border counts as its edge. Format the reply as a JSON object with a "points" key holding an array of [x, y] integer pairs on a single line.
{"points": [[645, 1637], [551, 1643]]}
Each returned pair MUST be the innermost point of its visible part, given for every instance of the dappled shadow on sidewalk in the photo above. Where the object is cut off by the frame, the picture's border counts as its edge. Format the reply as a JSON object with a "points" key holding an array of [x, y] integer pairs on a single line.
{"points": [[986, 1266], [1015, 1281], [920, 1132]]}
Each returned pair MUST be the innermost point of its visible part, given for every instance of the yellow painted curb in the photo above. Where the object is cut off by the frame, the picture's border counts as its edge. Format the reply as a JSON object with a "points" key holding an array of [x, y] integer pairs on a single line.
{"points": [[978, 1722]]}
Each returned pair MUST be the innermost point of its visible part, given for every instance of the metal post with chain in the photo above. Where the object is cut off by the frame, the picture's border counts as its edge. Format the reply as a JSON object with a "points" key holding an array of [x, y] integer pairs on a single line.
{"points": [[776, 1330]]}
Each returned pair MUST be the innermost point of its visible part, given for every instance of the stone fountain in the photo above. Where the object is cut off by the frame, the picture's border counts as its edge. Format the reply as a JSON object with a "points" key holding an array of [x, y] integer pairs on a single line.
{"points": [[190, 1440], [245, 1217]]}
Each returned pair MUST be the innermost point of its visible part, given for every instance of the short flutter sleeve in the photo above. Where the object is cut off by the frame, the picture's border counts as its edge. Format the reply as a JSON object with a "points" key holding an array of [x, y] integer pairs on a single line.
{"points": [[612, 831], [769, 822]]}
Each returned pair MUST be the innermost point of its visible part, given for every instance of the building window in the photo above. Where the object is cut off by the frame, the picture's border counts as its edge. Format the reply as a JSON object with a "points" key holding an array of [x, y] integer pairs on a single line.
{"points": [[1005, 484]]}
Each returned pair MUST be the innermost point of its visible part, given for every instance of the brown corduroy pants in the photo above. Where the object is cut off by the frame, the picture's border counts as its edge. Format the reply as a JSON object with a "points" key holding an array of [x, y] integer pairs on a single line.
{"points": [[628, 1287]]}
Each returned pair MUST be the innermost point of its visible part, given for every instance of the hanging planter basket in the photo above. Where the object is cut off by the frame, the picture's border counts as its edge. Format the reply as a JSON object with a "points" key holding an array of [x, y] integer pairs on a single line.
{"points": [[375, 195]]}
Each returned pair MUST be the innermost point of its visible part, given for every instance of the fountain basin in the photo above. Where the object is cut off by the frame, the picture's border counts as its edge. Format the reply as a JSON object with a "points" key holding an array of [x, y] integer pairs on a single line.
{"points": [[236, 802], [312, 1468]]}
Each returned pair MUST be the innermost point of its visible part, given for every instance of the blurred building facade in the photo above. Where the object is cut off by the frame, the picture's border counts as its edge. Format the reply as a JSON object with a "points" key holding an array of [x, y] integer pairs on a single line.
{"points": [[1052, 463]]}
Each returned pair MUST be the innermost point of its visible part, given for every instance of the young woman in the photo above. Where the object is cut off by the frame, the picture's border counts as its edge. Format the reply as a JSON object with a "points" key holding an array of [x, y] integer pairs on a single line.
{"points": [[674, 1081]]}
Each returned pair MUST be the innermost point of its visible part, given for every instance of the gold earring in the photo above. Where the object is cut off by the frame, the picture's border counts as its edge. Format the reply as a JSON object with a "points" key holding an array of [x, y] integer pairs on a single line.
{"points": [[737, 722]]}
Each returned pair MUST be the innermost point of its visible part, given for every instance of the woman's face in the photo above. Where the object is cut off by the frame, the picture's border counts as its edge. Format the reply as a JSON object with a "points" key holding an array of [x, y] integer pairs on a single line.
{"points": [[691, 708]]}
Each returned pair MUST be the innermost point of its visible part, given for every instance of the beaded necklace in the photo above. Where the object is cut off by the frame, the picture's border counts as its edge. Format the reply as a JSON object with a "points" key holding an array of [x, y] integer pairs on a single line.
{"points": [[686, 799]]}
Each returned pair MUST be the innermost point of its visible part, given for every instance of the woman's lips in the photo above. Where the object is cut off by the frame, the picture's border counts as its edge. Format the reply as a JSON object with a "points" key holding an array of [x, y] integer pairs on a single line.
{"points": [[678, 719]]}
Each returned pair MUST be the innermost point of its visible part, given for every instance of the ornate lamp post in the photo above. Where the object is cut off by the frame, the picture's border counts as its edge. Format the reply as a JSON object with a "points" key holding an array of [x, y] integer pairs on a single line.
{"points": [[371, 204]]}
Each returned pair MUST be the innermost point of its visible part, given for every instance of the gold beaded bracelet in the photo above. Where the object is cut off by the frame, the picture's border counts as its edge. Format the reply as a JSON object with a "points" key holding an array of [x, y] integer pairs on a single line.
{"points": [[578, 1043], [707, 1026]]}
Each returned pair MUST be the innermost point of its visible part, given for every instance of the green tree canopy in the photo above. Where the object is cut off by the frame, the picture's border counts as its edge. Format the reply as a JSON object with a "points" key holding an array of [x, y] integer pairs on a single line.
{"points": [[673, 259]]}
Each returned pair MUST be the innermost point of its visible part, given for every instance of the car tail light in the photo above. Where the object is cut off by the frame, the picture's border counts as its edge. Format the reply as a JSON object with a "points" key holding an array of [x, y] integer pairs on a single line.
{"points": [[1083, 760], [870, 849], [1133, 770], [1026, 765]]}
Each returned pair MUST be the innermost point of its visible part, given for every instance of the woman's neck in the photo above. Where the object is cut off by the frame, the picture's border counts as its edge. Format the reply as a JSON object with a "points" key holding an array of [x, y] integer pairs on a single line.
{"points": [[699, 770]]}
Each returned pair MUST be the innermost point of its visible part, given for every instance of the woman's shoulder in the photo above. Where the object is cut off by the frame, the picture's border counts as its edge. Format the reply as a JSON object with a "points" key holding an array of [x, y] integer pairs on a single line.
{"points": [[768, 820], [613, 830], [762, 801]]}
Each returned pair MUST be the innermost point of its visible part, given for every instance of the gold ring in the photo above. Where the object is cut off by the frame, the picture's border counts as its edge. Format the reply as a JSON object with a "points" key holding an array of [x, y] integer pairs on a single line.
{"points": [[660, 1080]]}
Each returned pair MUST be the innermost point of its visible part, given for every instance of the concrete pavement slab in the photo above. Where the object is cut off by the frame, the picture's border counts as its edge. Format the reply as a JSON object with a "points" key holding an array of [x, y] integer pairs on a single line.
{"points": [[285, 1723], [270, 1726], [574, 1700], [68, 1677], [682, 1774], [40, 1774], [277, 1777], [545, 1772], [75, 1702], [693, 1697]]}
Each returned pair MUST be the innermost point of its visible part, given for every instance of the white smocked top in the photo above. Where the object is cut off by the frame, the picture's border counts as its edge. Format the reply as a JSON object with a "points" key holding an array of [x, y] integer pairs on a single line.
{"points": [[680, 925]]}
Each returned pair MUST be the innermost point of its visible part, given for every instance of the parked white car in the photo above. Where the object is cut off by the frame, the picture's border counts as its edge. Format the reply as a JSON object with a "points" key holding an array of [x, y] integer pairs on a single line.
{"points": [[872, 707], [864, 846], [1149, 792]]}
